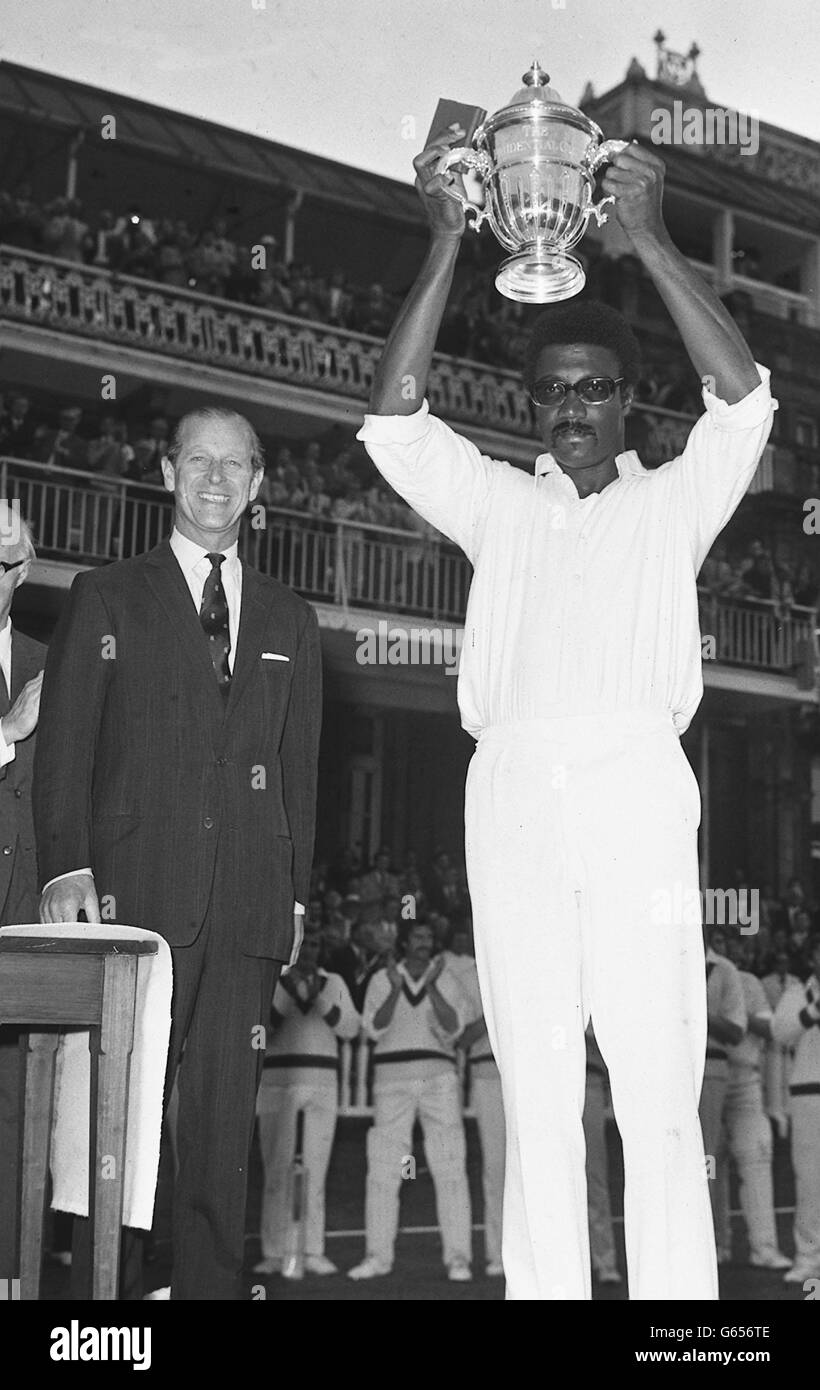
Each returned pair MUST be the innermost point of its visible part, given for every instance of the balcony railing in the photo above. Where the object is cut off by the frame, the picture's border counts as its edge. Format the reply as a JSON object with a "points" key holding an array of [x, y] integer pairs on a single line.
{"points": [[89, 519], [94, 303], [353, 564]]}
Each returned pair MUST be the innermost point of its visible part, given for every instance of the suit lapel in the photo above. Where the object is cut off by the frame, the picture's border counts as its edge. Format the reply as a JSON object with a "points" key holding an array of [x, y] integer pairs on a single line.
{"points": [[167, 583]]}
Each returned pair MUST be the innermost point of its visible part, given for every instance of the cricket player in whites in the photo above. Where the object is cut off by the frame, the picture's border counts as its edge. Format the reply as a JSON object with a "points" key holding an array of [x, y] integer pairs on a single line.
{"points": [[796, 1024], [311, 1009], [415, 1011], [580, 669], [748, 1132]]}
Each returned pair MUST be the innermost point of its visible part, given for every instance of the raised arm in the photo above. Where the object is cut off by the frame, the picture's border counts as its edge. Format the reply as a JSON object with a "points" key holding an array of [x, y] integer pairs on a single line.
{"points": [[400, 383], [712, 340]]}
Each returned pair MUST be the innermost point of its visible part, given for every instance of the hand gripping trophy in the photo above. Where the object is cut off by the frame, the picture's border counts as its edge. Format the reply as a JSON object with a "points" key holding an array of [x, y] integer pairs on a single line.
{"points": [[537, 159]]}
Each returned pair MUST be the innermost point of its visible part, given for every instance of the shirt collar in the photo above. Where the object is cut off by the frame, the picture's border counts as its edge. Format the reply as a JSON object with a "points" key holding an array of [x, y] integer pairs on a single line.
{"points": [[189, 554], [5, 635], [625, 463]]}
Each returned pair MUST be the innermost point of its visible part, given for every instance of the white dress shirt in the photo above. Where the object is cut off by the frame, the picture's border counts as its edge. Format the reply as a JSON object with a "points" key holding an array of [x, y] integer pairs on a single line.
{"points": [[578, 604], [192, 560], [195, 566], [7, 750]]}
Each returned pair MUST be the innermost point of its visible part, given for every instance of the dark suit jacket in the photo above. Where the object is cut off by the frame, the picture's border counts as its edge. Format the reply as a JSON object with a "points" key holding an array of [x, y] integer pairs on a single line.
{"points": [[27, 659], [142, 771]]}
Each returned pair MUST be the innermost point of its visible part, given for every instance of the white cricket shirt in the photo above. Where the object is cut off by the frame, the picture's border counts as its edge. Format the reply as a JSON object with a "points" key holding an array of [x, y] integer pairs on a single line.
{"points": [[578, 605]]}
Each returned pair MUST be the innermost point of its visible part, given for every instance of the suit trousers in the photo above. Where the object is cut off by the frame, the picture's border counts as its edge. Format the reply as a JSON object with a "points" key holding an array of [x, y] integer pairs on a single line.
{"points": [[20, 906], [221, 1000], [581, 844]]}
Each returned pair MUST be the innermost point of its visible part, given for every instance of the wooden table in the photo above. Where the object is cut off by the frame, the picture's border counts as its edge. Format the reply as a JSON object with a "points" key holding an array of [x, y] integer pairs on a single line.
{"points": [[48, 984]]}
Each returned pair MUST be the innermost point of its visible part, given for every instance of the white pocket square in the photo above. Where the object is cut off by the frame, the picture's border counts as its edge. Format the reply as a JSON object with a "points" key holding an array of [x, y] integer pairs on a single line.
{"points": [[274, 656]]}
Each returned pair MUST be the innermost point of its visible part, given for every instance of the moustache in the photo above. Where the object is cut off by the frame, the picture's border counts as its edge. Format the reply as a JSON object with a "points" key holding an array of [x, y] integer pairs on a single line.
{"points": [[571, 427]]}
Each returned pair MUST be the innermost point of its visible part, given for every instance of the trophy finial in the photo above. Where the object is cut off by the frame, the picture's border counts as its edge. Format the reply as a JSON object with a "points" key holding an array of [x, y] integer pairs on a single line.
{"points": [[535, 76]]}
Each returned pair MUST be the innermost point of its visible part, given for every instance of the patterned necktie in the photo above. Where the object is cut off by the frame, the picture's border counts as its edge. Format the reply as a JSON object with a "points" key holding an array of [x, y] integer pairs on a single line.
{"points": [[213, 615], [5, 702]]}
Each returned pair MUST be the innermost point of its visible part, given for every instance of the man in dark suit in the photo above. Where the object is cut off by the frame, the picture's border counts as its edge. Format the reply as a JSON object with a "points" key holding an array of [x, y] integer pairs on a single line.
{"points": [[21, 666], [184, 799]]}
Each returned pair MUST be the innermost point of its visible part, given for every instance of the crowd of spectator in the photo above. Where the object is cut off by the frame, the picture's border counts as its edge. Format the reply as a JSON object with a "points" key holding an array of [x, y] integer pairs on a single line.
{"points": [[753, 574], [478, 324], [205, 259], [363, 909], [336, 484]]}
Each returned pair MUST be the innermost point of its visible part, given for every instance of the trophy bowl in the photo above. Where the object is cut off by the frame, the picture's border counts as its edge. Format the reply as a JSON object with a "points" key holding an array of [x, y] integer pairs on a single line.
{"points": [[537, 159]]}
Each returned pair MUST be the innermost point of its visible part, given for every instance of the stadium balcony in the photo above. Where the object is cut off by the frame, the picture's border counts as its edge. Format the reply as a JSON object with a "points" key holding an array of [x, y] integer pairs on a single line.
{"points": [[348, 569], [294, 367]]}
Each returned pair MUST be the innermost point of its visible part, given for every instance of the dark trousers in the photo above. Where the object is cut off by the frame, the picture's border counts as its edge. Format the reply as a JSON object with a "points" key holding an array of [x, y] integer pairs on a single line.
{"points": [[220, 999]]}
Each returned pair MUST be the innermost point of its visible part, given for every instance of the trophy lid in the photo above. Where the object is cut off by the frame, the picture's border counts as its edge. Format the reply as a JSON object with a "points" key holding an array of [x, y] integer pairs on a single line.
{"points": [[536, 87]]}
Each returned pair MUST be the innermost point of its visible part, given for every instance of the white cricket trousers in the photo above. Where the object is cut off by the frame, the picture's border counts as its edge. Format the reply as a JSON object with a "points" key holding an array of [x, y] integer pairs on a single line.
{"points": [[436, 1100], [581, 840], [805, 1116], [277, 1109], [748, 1135]]}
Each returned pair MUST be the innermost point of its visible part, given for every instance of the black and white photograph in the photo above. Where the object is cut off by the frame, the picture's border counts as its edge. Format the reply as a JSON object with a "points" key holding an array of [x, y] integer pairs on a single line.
{"points": [[410, 669]]}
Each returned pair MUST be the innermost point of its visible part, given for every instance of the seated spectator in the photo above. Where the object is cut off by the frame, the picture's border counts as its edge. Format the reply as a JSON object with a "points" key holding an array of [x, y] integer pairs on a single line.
{"points": [[805, 587], [373, 313], [61, 447], [17, 428], [109, 451], [171, 256], [149, 452], [800, 944], [209, 266], [64, 233], [336, 302], [224, 246], [138, 240], [357, 961], [317, 502], [23, 221]]}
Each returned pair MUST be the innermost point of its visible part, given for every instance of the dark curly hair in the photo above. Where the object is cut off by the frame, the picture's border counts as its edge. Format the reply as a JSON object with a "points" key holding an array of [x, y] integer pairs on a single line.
{"points": [[584, 321]]}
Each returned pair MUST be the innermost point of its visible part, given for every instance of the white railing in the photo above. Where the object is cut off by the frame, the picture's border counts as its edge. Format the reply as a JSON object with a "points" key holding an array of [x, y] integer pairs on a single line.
{"points": [[92, 519], [760, 633]]}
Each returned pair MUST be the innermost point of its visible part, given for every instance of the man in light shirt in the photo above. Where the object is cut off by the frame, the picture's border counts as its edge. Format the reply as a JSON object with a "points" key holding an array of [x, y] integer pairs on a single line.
{"points": [[580, 669], [796, 1024], [21, 676], [185, 796]]}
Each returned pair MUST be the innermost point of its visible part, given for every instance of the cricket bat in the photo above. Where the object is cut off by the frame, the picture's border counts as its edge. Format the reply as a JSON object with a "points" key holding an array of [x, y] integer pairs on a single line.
{"points": [[293, 1262]]}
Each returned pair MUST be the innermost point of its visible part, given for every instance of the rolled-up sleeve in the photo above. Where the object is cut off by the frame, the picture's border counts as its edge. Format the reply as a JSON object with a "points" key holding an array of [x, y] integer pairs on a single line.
{"points": [[439, 473], [719, 461]]}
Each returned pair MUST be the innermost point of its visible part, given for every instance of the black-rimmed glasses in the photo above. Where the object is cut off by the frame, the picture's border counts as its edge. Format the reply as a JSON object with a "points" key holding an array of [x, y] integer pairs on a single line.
{"points": [[5, 567], [592, 390]]}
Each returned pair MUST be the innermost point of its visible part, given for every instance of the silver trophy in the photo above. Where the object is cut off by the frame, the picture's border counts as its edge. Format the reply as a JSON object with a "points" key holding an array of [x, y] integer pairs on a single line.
{"points": [[537, 159]]}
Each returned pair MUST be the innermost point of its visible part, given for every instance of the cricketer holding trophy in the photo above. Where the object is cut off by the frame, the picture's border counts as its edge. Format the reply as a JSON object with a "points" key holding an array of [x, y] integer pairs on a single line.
{"points": [[580, 669]]}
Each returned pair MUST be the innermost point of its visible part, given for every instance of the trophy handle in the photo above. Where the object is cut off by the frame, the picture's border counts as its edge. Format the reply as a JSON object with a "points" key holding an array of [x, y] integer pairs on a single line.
{"points": [[604, 154], [473, 159]]}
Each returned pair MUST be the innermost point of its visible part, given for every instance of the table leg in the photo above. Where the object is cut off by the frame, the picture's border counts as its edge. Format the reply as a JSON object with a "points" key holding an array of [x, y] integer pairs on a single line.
{"points": [[112, 1045], [41, 1049]]}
